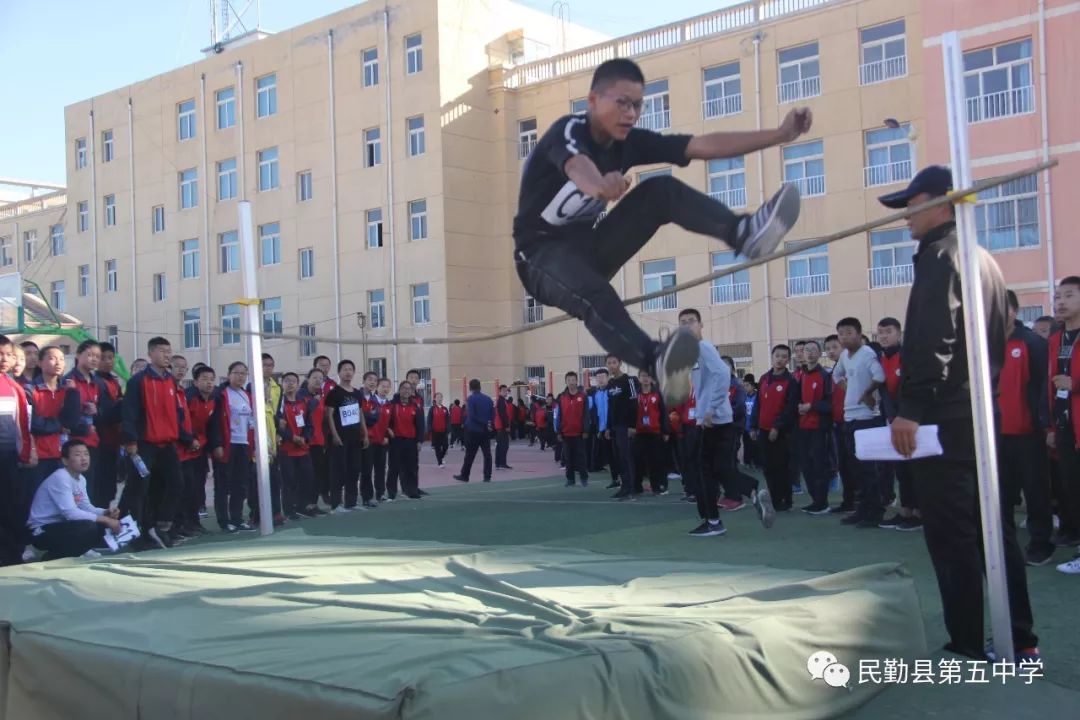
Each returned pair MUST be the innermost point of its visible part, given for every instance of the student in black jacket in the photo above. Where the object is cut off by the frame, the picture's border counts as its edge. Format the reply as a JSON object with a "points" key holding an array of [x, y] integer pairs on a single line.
{"points": [[622, 392]]}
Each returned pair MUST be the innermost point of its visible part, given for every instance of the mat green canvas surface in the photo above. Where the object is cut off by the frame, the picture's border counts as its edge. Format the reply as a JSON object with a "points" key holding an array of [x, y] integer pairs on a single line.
{"points": [[362, 628]]}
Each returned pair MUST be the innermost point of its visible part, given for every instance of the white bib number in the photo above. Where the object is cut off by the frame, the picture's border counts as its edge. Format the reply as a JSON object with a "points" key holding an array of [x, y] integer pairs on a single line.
{"points": [[350, 415], [692, 414], [299, 420], [645, 421]]}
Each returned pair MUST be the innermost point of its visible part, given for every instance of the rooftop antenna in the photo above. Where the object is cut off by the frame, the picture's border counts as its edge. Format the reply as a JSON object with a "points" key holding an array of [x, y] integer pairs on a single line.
{"points": [[561, 10], [231, 18]]}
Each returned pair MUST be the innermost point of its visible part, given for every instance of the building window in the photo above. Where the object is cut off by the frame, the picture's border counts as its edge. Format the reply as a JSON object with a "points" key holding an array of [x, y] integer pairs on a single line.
{"points": [[80, 153], [186, 119], [226, 179], [884, 53], [225, 99], [727, 181], [377, 308], [112, 282], [1007, 216], [1028, 314], [56, 240], [650, 174], [110, 210], [58, 295], [808, 272], [418, 220], [656, 107], [421, 304], [804, 165], [307, 263], [268, 169], [416, 135], [723, 91], [526, 137], [303, 186], [112, 334], [270, 244], [230, 324], [308, 346], [7, 258], [891, 258], [189, 189], [272, 324], [800, 73], [84, 280], [998, 81], [29, 245], [536, 375], [83, 210], [579, 105], [108, 149], [731, 288], [374, 228], [534, 311], [159, 287], [189, 259], [230, 251], [157, 222], [414, 54], [266, 95], [372, 147], [658, 275], [371, 67], [888, 156], [192, 328], [377, 366]]}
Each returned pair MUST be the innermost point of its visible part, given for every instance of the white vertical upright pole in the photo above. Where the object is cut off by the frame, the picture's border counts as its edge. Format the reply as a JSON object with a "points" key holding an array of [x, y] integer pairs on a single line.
{"points": [[978, 352], [258, 392]]}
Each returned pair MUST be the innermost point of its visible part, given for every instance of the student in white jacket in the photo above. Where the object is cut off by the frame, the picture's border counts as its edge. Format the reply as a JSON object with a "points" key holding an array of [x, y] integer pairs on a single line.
{"points": [[62, 520]]}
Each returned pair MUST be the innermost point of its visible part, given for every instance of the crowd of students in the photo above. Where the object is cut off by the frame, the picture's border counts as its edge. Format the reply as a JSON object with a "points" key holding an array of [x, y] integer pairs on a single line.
{"points": [[70, 439]]}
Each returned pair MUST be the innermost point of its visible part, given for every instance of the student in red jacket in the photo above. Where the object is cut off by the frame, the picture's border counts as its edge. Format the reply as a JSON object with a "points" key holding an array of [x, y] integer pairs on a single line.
{"points": [[320, 486], [194, 459], [457, 422], [539, 418], [153, 422], [379, 441], [438, 422], [815, 416], [108, 427], [649, 444], [773, 423], [1024, 420], [573, 425], [504, 415], [85, 402], [16, 451], [406, 434], [907, 518], [295, 431], [46, 396]]}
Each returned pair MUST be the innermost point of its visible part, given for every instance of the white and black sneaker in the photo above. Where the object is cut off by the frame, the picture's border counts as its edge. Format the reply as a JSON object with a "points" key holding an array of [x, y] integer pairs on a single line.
{"points": [[708, 529], [760, 234], [762, 500], [675, 358]]}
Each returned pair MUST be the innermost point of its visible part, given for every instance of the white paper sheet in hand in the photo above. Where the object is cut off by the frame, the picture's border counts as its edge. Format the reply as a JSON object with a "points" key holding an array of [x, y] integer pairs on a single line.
{"points": [[129, 530], [875, 444]]}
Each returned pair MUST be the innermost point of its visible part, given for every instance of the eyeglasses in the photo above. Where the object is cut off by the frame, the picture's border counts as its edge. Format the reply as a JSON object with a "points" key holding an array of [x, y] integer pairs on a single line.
{"points": [[626, 105]]}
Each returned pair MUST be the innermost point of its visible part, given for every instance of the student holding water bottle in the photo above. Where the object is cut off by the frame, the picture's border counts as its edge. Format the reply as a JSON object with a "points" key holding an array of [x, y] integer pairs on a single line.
{"points": [[153, 422]]}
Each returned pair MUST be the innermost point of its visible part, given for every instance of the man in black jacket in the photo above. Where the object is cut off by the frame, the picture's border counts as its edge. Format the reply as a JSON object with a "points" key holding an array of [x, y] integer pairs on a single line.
{"points": [[504, 413], [622, 391], [935, 389]]}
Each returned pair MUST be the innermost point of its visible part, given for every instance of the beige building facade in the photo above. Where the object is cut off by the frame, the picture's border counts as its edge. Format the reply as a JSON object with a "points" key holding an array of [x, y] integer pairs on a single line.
{"points": [[381, 148]]}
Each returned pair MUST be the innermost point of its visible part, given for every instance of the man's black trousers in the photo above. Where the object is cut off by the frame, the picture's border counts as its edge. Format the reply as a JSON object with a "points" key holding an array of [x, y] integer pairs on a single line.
{"points": [[476, 441], [574, 457]]}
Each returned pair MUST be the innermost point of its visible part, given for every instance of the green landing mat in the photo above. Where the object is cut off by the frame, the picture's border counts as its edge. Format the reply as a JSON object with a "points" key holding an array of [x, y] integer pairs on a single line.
{"points": [[327, 628]]}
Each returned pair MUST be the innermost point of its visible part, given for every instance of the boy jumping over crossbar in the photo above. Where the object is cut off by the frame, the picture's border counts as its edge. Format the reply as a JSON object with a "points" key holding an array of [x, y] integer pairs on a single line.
{"points": [[566, 253]]}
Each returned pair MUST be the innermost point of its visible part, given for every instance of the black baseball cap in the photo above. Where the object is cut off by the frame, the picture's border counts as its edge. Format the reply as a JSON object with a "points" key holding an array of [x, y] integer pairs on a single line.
{"points": [[934, 180]]}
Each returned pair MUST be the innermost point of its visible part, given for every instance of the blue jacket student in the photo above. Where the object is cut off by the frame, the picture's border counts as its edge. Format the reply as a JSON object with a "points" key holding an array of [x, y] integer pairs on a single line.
{"points": [[600, 402]]}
